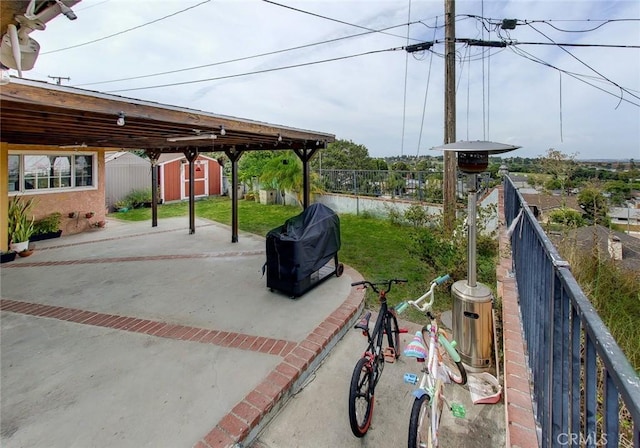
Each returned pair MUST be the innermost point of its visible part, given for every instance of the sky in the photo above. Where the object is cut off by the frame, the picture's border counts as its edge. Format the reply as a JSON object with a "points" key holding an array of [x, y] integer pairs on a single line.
{"points": [[370, 90]]}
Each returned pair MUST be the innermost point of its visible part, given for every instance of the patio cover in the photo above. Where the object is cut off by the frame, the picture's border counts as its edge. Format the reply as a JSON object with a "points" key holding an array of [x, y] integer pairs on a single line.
{"points": [[38, 113]]}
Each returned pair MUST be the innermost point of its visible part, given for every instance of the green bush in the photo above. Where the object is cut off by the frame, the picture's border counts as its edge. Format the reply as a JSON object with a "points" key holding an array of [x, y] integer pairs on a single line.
{"points": [[48, 224], [567, 217], [137, 198], [416, 215]]}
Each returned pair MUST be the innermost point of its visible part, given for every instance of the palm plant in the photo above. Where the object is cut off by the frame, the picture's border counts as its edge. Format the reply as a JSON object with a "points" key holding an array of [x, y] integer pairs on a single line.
{"points": [[20, 225]]}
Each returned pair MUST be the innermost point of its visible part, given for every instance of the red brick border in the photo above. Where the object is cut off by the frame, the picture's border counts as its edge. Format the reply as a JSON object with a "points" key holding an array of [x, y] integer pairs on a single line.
{"points": [[520, 422], [252, 412], [241, 341]]}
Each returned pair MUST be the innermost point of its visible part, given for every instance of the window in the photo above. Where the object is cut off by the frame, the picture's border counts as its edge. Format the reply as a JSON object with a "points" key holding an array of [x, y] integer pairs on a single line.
{"points": [[51, 172]]}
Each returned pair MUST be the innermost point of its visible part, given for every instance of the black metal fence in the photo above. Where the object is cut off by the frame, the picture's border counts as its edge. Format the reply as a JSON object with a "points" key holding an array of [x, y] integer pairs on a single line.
{"points": [[411, 185], [579, 374]]}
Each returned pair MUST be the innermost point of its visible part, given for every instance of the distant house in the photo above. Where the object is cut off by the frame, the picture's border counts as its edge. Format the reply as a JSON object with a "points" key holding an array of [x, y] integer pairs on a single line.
{"points": [[125, 172], [543, 204], [618, 246], [625, 216], [174, 177]]}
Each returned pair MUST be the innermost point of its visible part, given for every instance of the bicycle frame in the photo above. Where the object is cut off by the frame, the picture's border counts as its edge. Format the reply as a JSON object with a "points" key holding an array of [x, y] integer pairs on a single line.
{"points": [[434, 372], [373, 352], [369, 367]]}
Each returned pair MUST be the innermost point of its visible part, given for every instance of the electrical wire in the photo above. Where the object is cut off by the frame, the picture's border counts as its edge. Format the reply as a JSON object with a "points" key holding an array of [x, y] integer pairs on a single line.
{"points": [[406, 74], [560, 97], [487, 21], [245, 58], [329, 18], [426, 92], [622, 89], [548, 22], [238, 75], [127, 30], [522, 53]]}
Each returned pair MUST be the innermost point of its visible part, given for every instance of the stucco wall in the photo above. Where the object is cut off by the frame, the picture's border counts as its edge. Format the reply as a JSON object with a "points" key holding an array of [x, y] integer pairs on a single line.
{"points": [[65, 202]]}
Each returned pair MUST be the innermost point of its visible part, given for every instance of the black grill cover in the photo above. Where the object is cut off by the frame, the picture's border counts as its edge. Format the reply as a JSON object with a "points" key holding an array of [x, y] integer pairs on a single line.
{"points": [[304, 243]]}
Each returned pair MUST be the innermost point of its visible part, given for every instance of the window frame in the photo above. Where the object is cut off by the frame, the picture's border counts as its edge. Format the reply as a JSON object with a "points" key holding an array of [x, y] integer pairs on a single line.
{"points": [[48, 153]]}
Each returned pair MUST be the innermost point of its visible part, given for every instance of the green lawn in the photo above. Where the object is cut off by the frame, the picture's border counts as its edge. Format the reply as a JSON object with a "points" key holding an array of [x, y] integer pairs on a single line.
{"points": [[374, 247]]}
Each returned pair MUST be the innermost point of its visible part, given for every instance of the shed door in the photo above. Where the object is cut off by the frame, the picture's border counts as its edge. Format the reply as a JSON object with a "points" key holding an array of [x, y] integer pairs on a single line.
{"points": [[201, 179]]}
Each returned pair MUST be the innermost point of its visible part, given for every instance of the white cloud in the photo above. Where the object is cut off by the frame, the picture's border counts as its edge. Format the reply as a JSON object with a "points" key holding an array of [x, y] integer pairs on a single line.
{"points": [[362, 98]]}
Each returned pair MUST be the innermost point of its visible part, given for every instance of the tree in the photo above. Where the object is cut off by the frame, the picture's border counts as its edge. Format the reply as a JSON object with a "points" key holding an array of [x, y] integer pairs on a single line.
{"points": [[283, 172], [561, 166], [594, 203], [400, 166], [380, 165], [251, 166], [344, 155]]}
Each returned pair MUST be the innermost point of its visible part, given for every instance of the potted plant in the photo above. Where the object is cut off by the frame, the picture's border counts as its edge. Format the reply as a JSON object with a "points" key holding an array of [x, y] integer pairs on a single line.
{"points": [[8, 256], [47, 227], [19, 224]]}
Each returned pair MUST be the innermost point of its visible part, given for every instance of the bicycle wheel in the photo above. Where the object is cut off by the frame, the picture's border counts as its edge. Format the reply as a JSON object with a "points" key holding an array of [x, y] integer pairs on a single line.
{"points": [[456, 372], [361, 398], [420, 423], [393, 333]]}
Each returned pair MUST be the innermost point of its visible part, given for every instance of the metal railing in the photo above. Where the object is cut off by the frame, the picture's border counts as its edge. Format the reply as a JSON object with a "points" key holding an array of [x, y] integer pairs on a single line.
{"points": [[416, 185], [569, 347]]}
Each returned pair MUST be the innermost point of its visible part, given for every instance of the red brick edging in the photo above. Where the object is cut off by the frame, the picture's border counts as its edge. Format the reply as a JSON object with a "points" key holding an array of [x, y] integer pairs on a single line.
{"points": [[271, 346], [251, 415], [520, 423]]}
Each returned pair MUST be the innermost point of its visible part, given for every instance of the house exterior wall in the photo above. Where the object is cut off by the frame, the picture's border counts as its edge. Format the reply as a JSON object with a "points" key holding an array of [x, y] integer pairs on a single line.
{"points": [[80, 201]]}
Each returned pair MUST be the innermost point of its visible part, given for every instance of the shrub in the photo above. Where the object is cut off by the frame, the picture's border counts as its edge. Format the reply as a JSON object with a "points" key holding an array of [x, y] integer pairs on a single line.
{"points": [[416, 215], [48, 224], [567, 217], [137, 198]]}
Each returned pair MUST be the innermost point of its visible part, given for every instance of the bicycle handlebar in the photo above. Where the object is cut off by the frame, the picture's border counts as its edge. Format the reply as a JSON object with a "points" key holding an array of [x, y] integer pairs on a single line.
{"points": [[374, 285], [426, 307]]}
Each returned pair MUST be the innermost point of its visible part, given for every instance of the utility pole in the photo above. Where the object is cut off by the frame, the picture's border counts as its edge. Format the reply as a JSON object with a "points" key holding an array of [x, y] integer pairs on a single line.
{"points": [[450, 175], [59, 79]]}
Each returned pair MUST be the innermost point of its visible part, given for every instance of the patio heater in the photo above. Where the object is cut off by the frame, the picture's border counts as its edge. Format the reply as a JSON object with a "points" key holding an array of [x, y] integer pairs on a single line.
{"points": [[472, 301]]}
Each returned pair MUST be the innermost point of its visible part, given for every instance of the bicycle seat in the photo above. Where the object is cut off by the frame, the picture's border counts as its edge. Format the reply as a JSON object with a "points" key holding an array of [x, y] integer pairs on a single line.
{"points": [[364, 322]]}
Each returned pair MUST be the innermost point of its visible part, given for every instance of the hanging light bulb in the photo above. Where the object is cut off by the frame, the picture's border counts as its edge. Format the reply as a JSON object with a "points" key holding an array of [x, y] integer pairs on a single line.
{"points": [[120, 121], [222, 130]]}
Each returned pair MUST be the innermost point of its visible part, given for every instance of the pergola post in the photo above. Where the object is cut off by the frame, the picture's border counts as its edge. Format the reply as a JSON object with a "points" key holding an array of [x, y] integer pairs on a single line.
{"points": [[305, 155], [234, 155], [154, 155], [192, 154]]}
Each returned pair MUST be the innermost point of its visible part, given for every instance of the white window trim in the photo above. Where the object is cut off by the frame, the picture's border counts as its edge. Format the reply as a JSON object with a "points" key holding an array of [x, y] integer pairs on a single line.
{"points": [[25, 192]]}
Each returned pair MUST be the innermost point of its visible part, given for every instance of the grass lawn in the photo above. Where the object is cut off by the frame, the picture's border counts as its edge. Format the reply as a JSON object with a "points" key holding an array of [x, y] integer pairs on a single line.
{"points": [[374, 247]]}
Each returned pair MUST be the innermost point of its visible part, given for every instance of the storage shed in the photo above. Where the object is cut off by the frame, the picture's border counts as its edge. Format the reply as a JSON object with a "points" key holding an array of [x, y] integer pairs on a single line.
{"points": [[124, 172], [174, 177]]}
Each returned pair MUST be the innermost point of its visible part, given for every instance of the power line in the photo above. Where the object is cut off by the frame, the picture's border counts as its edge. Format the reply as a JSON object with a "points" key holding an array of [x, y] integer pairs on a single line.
{"points": [[330, 19], [499, 22], [245, 58], [286, 67], [127, 30], [622, 89], [522, 53]]}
